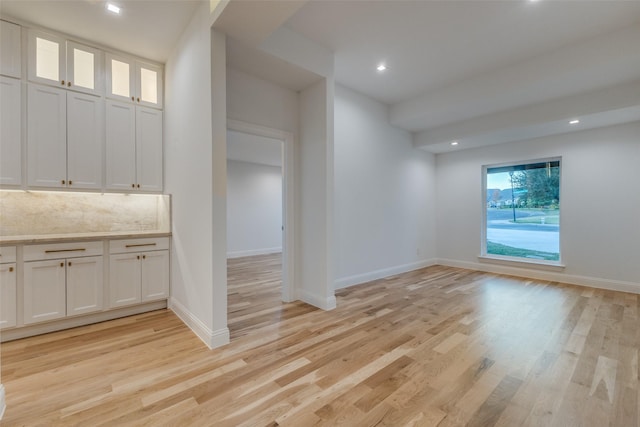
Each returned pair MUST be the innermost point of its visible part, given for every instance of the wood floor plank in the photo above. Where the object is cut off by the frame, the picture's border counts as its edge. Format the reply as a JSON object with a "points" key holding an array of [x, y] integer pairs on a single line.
{"points": [[439, 346]]}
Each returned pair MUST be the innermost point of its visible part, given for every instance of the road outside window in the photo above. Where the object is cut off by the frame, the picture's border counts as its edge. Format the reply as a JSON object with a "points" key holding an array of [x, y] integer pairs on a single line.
{"points": [[523, 210]]}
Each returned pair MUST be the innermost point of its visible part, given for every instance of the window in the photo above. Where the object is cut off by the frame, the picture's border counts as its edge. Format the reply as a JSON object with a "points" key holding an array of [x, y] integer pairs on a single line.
{"points": [[522, 214]]}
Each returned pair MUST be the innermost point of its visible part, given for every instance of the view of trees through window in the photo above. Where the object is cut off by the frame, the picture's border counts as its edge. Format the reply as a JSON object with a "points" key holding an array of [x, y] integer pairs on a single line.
{"points": [[523, 210]]}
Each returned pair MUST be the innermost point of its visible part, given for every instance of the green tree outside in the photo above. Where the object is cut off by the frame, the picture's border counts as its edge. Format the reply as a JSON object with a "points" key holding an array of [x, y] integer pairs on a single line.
{"points": [[539, 188]]}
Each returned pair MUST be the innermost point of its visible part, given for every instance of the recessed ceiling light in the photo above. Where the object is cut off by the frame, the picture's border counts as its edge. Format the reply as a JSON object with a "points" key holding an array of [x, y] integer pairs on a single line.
{"points": [[454, 143], [381, 67], [113, 8], [574, 122]]}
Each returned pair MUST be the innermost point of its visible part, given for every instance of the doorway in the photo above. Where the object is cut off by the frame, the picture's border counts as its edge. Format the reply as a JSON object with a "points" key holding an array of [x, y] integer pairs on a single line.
{"points": [[260, 235]]}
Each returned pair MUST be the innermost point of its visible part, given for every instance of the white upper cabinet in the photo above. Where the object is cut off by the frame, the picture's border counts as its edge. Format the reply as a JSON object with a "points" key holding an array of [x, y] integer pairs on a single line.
{"points": [[120, 145], [10, 132], [10, 49], [84, 68], [149, 157], [133, 81], [47, 59], [46, 136], [55, 61], [85, 129], [64, 138], [134, 159]]}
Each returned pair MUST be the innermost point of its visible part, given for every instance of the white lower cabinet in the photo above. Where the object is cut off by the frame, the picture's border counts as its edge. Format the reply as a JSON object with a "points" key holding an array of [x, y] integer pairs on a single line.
{"points": [[8, 286], [7, 295], [83, 279], [62, 287], [136, 276], [44, 291], [155, 275], [84, 285], [57, 287], [124, 279]]}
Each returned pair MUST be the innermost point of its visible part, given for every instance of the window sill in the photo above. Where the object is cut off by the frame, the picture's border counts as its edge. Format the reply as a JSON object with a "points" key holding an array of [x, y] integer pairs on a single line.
{"points": [[521, 262]]}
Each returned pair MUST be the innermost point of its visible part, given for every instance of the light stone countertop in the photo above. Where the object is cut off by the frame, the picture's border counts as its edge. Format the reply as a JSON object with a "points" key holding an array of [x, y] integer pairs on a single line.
{"points": [[69, 237]]}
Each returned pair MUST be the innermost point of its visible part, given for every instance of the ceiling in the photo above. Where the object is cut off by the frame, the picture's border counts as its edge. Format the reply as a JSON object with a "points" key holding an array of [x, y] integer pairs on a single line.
{"points": [[244, 57], [146, 28], [484, 72], [476, 71], [428, 45]]}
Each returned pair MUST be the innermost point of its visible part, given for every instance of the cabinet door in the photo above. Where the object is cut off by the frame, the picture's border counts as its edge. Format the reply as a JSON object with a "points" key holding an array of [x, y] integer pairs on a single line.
{"points": [[44, 291], [84, 285], [120, 77], [120, 145], [149, 149], [148, 84], [46, 136], [10, 132], [155, 275], [7, 295], [84, 65], [46, 58], [124, 279], [84, 140], [10, 49]]}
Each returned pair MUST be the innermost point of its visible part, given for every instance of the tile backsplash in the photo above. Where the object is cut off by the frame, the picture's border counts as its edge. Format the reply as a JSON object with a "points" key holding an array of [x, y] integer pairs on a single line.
{"points": [[29, 213]]}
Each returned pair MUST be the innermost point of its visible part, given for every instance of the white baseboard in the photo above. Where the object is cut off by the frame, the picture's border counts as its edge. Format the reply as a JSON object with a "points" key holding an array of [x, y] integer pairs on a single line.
{"points": [[3, 406], [211, 338], [254, 252], [594, 282], [328, 303], [382, 273], [73, 322]]}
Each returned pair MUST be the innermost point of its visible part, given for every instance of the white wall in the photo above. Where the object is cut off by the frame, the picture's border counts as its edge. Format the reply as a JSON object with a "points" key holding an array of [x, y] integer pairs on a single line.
{"points": [[189, 179], [259, 102], [315, 195], [600, 204], [384, 194], [254, 209]]}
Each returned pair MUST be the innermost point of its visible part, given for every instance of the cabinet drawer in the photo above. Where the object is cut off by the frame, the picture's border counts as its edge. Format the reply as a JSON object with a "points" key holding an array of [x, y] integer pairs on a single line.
{"points": [[7, 254], [138, 245], [62, 250]]}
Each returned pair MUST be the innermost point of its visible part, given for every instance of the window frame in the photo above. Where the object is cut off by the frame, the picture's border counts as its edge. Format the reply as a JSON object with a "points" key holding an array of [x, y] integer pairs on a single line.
{"points": [[512, 260]]}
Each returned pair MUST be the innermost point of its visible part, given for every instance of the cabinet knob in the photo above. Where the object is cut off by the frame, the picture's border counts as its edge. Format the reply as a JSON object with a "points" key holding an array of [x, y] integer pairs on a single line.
{"points": [[10, 269], [62, 264], [133, 98], [133, 186], [138, 99], [138, 185], [70, 182], [69, 263], [144, 257], [63, 182], [62, 82], [69, 84], [138, 257]]}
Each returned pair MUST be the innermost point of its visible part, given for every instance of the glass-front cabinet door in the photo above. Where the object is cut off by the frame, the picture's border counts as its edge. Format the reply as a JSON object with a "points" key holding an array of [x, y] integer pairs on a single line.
{"points": [[120, 78], [84, 68], [46, 60], [149, 83], [134, 81], [55, 61]]}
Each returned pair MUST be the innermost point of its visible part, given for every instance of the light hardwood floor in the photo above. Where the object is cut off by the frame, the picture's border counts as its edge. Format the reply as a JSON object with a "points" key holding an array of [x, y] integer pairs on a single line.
{"points": [[439, 346]]}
